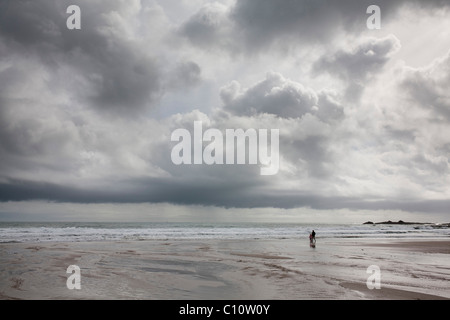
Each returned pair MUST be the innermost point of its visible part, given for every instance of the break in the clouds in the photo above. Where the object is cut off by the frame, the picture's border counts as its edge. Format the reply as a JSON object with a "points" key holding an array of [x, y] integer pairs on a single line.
{"points": [[86, 115]]}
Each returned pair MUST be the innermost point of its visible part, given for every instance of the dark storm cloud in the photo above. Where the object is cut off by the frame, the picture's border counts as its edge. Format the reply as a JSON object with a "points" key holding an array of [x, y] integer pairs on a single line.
{"points": [[51, 78], [156, 190], [227, 196], [114, 73]]}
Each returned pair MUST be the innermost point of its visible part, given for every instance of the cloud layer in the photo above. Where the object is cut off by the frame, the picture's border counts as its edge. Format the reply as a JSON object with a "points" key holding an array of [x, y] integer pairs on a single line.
{"points": [[86, 115]]}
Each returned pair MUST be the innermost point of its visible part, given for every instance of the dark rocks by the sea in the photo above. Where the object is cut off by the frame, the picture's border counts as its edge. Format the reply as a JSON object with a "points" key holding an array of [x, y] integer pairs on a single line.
{"points": [[436, 225]]}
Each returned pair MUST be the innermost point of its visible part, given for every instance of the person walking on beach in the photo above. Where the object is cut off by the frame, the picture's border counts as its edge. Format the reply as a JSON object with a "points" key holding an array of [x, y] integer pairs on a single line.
{"points": [[312, 237]]}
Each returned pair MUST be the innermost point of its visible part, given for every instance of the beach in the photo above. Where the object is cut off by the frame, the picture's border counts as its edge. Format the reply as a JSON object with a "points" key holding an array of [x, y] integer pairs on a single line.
{"points": [[222, 269]]}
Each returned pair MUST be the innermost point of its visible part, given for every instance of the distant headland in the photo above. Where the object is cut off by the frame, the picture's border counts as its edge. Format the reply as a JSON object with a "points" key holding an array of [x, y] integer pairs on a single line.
{"points": [[403, 222], [393, 222]]}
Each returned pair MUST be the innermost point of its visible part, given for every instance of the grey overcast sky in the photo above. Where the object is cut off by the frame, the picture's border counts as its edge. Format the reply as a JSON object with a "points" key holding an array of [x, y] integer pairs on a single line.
{"points": [[86, 115]]}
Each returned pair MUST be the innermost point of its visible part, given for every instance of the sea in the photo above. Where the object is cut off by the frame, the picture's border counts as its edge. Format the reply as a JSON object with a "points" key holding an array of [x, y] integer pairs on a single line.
{"points": [[11, 232]]}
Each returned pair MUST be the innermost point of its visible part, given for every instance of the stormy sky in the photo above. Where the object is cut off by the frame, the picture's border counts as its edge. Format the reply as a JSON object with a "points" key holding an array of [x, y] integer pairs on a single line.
{"points": [[86, 116]]}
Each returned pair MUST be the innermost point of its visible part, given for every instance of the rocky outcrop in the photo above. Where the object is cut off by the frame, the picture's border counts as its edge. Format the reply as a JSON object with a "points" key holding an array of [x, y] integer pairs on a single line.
{"points": [[393, 222]]}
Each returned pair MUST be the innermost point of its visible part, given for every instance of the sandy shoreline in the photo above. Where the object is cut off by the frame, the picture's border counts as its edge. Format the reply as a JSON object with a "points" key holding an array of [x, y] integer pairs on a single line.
{"points": [[227, 269]]}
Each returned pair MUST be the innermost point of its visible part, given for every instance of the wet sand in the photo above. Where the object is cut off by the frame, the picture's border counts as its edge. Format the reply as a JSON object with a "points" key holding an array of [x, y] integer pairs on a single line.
{"points": [[336, 269]]}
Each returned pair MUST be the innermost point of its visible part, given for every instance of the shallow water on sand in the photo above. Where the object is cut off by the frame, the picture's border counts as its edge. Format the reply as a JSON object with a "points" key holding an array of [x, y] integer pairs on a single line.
{"points": [[226, 269]]}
